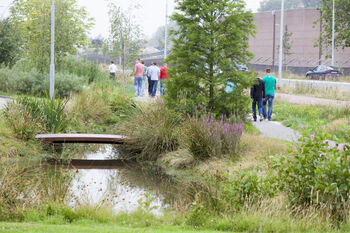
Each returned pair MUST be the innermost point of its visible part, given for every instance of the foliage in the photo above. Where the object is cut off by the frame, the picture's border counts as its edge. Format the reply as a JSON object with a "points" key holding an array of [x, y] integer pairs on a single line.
{"points": [[315, 173], [208, 137], [287, 42], [152, 130], [230, 193], [32, 82], [342, 22], [126, 36], [43, 115], [82, 68], [273, 5], [10, 43], [212, 40], [34, 23]]}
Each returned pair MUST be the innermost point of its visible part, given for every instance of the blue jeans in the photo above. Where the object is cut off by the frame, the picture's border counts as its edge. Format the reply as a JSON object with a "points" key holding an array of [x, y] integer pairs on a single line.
{"points": [[162, 86], [149, 86], [154, 84], [269, 100], [143, 85], [260, 106], [138, 85]]}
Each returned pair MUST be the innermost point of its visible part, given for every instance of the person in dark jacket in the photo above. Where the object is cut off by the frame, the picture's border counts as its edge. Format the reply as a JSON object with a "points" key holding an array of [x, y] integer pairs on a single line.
{"points": [[257, 93]]}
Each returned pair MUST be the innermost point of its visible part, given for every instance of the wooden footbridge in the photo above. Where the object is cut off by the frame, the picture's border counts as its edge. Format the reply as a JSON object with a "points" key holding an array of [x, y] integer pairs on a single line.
{"points": [[81, 138]]}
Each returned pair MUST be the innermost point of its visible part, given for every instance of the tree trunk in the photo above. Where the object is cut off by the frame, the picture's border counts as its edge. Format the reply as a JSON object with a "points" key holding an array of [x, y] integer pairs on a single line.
{"points": [[211, 88]]}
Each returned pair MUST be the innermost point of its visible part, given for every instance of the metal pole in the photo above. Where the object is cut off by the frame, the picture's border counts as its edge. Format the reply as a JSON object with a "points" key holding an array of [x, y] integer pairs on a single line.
{"points": [[166, 30], [52, 65], [280, 64], [274, 40], [333, 22], [320, 42]]}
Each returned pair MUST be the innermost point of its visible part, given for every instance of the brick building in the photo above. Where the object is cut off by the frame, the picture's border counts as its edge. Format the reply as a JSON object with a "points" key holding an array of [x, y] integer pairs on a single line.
{"points": [[305, 33]]}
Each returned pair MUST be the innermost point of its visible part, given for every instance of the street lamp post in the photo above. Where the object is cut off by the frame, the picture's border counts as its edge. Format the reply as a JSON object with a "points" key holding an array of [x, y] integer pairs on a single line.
{"points": [[280, 65], [166, 30], [333, 22], [52, 64], [273, 39]]}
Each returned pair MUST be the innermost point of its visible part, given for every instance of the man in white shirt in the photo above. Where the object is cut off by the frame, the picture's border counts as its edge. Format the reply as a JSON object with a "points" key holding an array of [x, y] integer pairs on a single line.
{"points": [[112, 70], [153, 71]]}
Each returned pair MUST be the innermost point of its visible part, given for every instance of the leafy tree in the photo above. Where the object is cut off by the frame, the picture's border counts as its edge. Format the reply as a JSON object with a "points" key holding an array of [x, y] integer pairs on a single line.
{"points": [[287, 42], [342, 22], [10, 42], [272, 5], [126, 37], [33, 18], [212, 41]]}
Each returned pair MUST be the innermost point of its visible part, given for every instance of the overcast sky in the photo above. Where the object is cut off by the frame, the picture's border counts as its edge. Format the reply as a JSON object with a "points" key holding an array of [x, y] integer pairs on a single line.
{"points": [[150, 16]]}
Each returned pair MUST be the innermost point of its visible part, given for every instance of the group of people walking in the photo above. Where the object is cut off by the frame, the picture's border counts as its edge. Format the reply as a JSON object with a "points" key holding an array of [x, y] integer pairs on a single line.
{"points": [[153, 74], [262, 94]]}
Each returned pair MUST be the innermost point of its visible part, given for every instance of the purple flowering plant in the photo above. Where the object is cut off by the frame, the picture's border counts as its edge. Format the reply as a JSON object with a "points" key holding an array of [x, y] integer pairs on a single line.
{"points": [[209, 137]]}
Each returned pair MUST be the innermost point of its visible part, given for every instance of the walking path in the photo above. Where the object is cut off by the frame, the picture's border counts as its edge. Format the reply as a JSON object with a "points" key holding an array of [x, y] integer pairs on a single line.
{"points": [[276, 130], [300, 99], [3, 102]]}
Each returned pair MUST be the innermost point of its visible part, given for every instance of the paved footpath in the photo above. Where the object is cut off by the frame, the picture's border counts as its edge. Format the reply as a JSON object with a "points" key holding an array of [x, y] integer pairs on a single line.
{"points": [[276, 130], [3, 102]]}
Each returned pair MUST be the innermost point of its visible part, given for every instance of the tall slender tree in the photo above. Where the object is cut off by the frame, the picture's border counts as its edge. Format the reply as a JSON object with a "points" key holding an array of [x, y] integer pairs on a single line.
{"points": [[212, 40], [126, 36]]}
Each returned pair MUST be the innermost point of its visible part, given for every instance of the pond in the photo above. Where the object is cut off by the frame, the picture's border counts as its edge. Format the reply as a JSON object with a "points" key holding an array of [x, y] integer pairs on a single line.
{"points": [[123, 187]]}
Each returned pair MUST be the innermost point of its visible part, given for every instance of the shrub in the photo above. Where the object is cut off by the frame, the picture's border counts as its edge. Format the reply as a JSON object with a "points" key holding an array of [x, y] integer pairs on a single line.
{"points": [[34, 83], [208, 137], [82, 68], [315, 173]]}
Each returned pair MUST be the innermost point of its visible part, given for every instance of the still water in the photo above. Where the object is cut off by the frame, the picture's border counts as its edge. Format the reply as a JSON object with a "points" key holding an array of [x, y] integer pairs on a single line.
{"points": [[122, 188]]}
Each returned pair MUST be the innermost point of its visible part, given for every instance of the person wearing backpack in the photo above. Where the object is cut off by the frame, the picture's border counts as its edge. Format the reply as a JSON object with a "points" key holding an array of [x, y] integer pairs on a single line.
{"points": [[270, 87]]}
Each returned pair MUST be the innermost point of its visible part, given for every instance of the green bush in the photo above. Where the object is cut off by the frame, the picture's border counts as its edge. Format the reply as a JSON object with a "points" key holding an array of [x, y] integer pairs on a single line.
{"points": [[34, 83], [315, 174], [81, 67]]}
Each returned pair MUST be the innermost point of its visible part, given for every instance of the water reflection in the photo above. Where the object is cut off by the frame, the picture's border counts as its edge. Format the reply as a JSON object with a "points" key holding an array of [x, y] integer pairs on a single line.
{"points": [[119, 188]]}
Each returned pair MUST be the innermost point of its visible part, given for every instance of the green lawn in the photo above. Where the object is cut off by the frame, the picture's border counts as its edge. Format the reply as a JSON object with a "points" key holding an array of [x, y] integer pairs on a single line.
{"points": [[89, 227]]}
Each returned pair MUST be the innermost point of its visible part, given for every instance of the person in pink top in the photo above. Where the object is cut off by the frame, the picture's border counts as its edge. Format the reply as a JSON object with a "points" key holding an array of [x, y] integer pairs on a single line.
{"points": [[163, 77], [139, 71]]}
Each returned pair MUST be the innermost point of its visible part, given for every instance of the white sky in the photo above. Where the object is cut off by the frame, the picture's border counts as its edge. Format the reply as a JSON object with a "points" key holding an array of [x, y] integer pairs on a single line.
{"points": [[150, 16]]}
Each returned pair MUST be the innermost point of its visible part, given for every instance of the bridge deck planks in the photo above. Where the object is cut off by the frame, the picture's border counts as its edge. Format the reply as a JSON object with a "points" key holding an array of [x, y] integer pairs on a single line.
{"points": [[82, 138]]}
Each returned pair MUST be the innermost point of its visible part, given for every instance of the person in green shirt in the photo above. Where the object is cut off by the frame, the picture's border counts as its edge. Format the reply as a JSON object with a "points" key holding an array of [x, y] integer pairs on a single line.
{"points": [[270, 87]]}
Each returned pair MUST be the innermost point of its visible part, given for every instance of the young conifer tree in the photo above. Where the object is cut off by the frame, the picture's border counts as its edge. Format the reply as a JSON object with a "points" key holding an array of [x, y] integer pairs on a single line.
{"points": [[211, 42]]}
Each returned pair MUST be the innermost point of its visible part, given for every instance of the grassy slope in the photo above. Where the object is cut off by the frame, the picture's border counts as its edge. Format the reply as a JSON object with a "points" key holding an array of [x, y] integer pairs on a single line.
{"points": [[89, 227]]}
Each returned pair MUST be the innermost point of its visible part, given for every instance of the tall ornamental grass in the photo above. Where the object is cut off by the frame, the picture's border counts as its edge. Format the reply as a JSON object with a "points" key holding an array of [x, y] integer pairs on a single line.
{"points": [[28, 116]]}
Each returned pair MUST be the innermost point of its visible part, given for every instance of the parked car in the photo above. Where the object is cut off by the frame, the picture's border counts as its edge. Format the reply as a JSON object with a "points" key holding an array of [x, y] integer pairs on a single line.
{"points": [[243, 68], [321, 72]]}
